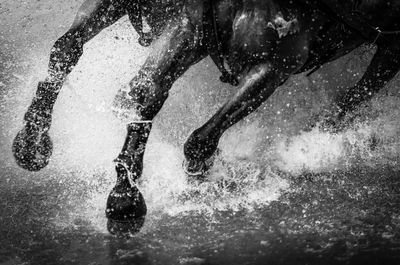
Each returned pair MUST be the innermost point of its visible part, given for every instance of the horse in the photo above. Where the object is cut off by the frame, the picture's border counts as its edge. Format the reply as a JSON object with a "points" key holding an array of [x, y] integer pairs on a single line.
{"points": [[256, 44]]}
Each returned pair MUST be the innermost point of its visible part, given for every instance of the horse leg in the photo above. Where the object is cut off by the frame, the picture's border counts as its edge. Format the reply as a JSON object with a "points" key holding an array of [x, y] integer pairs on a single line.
{"points": [[256, 87], [32, 146], [383, 67], [176, 50]]}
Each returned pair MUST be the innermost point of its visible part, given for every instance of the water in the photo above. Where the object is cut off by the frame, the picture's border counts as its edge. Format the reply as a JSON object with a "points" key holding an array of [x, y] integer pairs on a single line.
{"points": [[289, 195]]}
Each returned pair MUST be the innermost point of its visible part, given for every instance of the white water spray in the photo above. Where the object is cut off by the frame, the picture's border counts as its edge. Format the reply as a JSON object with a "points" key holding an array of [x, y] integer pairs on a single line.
{"points": [[87, 136]]}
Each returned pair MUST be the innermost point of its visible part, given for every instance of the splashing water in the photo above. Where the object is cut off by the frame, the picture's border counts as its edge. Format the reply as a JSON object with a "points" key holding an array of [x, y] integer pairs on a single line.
{"points": [[87, 136], [374, 142]]}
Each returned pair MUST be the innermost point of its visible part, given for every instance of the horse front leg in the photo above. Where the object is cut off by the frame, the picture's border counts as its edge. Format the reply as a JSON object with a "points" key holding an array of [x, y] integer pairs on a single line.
{"points": [[256, 87], [175, 51], [32, 147]]}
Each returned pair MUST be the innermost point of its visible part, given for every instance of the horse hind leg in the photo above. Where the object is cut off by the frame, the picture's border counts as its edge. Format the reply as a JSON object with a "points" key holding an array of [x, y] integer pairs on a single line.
{"points": [[383, 67], [32, 146]]}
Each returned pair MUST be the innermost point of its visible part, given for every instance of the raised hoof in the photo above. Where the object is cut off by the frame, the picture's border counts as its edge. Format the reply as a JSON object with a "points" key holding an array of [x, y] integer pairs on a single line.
{"points": [[196, 170], [32, 148], [126, 211]]}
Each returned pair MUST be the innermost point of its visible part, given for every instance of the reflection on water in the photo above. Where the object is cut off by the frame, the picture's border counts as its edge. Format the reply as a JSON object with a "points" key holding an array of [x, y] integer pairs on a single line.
{"points": [[256, 205]]}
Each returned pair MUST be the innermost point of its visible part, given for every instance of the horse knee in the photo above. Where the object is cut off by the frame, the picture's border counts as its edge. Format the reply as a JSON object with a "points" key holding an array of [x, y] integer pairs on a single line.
{"points": [[144, 98]]}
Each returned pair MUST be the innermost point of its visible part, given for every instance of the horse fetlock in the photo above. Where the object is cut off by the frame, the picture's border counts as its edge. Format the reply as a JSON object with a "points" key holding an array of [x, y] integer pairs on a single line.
{"points": [[40, 111], [129, 163], [41, 119], [32, 147], [200, 151], [126, 208], [129, 167], [200, 148]]}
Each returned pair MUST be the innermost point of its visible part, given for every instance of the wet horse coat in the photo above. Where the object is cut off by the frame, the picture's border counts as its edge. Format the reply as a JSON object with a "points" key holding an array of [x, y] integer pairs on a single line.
{"points": [[256, 45]]}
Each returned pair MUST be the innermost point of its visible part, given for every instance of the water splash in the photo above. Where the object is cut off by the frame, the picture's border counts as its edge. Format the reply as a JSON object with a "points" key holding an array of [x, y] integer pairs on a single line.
{"points": [[372, 140], [231, 184], [87, 137]]}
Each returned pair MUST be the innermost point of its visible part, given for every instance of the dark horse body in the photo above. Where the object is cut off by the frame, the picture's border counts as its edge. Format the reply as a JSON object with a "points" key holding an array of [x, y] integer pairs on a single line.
{"points": [[262, 42]]}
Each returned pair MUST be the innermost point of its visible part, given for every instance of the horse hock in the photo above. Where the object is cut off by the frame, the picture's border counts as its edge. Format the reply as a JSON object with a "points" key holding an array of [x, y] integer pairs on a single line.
{"points": [[126, 208], [32, 147]]}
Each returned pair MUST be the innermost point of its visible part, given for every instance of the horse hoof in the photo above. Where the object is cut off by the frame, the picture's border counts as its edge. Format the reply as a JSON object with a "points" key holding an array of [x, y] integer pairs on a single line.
{"points": [[199, 169], [126, 211], [195, 169], [32, 148], [124, 229]]}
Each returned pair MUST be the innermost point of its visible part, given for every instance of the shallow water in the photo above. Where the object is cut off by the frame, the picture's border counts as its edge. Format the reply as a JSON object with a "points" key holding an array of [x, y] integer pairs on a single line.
{"points": [[291, 195]]}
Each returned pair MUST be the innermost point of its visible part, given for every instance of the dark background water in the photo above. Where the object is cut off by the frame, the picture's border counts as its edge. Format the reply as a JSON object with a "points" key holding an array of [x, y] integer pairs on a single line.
{"points": [[298, 197]]}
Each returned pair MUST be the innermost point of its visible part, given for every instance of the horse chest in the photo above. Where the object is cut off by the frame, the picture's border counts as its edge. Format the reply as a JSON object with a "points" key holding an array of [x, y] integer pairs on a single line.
{"points": [[255, 34], [250, 32]]}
